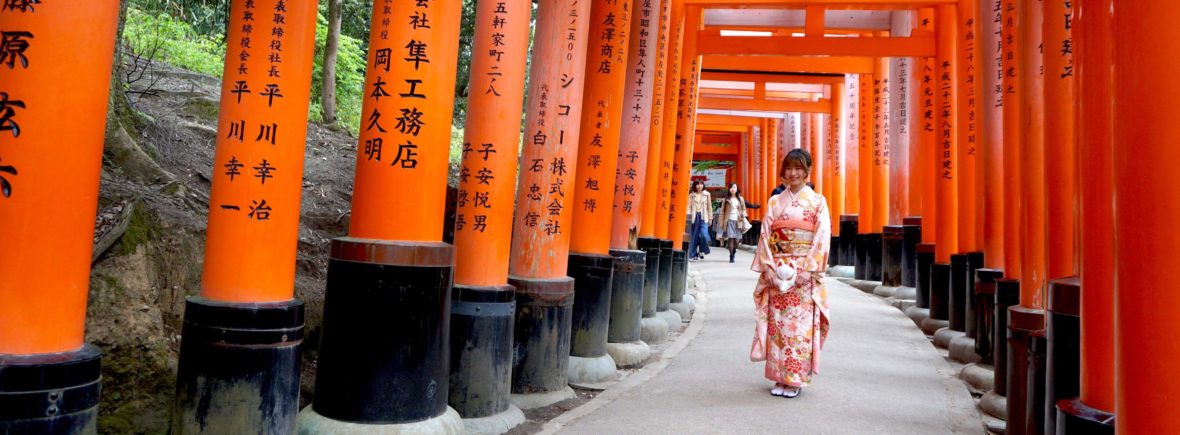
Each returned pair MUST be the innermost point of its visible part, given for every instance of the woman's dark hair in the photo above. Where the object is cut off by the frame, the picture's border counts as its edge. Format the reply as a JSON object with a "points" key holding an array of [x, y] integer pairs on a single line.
{"points": [[799, 156], [693, 188], [731, 194]]}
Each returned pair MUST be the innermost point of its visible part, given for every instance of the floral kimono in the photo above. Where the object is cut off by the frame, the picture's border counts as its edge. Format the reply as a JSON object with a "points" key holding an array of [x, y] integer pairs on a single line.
{"points": [[792, 325]]}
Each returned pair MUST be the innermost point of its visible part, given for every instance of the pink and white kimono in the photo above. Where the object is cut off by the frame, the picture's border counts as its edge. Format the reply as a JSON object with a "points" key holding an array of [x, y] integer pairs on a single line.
{"points": [[792, 325]]}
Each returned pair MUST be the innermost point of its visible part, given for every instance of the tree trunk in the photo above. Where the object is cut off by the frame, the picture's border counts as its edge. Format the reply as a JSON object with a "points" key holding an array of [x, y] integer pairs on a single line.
{"points": [[328, 98]]}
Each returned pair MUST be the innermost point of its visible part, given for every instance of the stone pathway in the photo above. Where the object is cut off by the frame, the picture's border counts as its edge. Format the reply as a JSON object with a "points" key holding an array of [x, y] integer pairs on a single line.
{"points": [[880, 375]]}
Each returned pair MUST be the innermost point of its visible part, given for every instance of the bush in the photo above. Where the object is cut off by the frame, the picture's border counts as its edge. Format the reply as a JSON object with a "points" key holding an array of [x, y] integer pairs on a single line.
{"points": [[174, 42]]}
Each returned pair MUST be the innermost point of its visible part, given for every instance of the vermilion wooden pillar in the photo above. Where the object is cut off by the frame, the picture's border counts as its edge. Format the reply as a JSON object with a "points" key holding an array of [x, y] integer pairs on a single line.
{"points": [[544, 200], [655, 330], [392, 272], [631, 181], [1032, 277], [682, 167], [1145, 158], [1013, 151], [865, 163], [248, 282], [881, 183], [928, 134], [946, 116], [835, 157], [53, 105], [851, 145], [990, 143], [967, 126], [1093, 411], [901, 196], [481, 341], [675, 92]]}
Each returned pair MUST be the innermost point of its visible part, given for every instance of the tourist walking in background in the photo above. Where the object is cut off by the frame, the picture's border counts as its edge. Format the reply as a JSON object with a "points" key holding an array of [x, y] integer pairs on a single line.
{"points": [[791, 303], [732, 223], [700, 206]]}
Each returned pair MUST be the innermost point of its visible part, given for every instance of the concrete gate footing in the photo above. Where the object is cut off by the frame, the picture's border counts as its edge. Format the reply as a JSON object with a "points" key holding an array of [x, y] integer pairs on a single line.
{"points": [[962, 349], [866, 286], [944, 336], [930, 326], [979, 378], [681, 308], [994, 405], [670, 317], [591, 373], [848, 272], [846, 280], [311, 423], [629, 354], [918, 315], [541, 400], [653, 330], [495, 424], [885, 291], [904, 298]]}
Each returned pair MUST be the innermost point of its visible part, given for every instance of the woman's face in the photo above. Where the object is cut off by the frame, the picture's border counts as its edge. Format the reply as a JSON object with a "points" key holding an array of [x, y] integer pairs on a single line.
{"points": [[733, 188], [698, 187], [795, 175]]}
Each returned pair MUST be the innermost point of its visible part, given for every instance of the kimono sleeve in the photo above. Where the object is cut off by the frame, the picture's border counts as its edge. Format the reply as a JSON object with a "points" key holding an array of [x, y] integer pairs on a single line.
{"points": [[817, 258], [763, 258]]}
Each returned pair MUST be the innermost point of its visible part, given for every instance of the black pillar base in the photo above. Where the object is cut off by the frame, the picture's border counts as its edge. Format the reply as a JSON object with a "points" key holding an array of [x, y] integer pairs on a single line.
{"points": [[958, 293], [847, 246], [481, 349], [239, 367], [911, 237], [651, 275], [679, 276], [1023, 324], [1076, 418], [874, 245], [985, 320], [50, 393], [974, 262], [1034, 409], [940, 289], [626, 300], [664, 297], [384, 351], [924, 262], [544, 312], [834, 255], [891, 262], [1007, 296], [862, 257], [592, 276], [1063, 326]]}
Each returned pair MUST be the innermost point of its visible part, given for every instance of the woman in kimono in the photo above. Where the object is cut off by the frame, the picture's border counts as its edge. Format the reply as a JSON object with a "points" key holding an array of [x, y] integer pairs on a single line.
{"points": [[791, 303]]}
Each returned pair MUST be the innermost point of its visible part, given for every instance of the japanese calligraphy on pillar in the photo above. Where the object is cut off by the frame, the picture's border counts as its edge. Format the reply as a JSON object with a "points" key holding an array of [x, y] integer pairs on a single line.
{"points": [[549, 153], [258, 163], [673, 91], [997, 17], [1011, 64], [1066, 49], [637, 121], [969, 80], [852, 115], [947, 130], [403, 148], [881, 119], [14, 56], [602, 118]]}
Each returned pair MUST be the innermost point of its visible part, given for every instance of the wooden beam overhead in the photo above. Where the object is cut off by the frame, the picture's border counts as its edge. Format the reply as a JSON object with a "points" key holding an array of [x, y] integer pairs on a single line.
{"points": [[913, 46], [772, 78], [762, 105], [790, 64], [828, 4], [703, 127], [743, 122]]}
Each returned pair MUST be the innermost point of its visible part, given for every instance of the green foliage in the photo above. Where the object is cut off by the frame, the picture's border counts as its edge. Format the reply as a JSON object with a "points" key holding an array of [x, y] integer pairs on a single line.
{"points": [[350, 76], [174, 41]]}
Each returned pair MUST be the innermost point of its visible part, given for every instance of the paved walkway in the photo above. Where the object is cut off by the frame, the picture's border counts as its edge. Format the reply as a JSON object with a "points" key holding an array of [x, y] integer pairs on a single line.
{"points": [[880, 375]]}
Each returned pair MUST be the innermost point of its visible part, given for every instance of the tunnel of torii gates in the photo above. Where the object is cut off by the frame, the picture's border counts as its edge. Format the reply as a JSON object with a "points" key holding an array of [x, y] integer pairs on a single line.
{"points": [[969, 151]]}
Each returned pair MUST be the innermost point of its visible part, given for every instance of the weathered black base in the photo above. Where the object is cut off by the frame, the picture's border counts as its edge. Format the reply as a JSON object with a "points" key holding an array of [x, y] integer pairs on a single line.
{"points": [[385, 351], [1007, 296], [923, 263], [50, 393], [626, 300], [239, 367], [664, 297], [679, 276], [834, 256], [544, 313], [911, 237], [651, 275], [874, 247], [974, 262], [1076, 418], [482, 321], [1063, 326], [861, 265], [940, 289], [1023, 323], [891, 255], [593, 275], [1034, 409], [847, 246], [985, 319], [958, 293]]}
